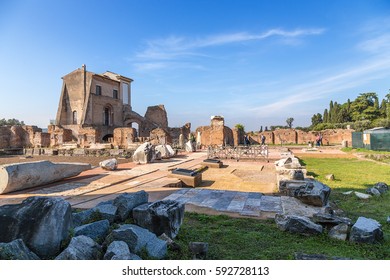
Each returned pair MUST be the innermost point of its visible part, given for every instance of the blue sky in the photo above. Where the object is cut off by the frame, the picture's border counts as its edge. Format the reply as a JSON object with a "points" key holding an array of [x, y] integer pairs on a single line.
{"points": [[254, 62]]}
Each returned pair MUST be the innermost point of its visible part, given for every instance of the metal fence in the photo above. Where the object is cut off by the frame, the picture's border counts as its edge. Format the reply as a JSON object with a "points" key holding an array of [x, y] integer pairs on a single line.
{"points": [[253, 152]]}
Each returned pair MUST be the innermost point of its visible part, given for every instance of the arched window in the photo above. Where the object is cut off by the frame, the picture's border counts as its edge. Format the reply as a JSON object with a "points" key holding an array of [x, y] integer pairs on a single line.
{"points": [[74, 117]]}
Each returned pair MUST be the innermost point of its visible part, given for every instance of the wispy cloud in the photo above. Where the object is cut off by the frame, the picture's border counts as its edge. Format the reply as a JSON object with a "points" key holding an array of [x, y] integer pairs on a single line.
{"points": [[174, 46]]}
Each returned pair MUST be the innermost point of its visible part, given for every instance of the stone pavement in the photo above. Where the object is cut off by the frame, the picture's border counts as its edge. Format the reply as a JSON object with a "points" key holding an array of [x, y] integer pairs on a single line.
{"points": [[251, 204]]}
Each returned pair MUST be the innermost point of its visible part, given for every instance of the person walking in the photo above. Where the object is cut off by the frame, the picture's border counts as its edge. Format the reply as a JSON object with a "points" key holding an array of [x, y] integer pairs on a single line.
{"points": [[262, 140]]}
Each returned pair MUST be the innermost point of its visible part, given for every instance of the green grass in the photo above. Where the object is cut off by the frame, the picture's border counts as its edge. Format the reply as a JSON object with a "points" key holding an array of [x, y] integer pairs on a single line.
{"points": [[249, 239], [242, 238]]}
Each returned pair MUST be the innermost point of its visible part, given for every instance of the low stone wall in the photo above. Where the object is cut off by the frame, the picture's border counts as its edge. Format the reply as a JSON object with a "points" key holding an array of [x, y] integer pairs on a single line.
{"points": [[292, 136]]}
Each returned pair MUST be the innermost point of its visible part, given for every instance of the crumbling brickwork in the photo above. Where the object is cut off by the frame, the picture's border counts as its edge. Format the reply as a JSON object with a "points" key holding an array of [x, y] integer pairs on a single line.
{"points": [[215, 134]]}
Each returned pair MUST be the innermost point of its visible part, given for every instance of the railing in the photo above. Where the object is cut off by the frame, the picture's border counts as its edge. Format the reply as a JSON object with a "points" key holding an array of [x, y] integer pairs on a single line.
{"points": [[253, 152]]}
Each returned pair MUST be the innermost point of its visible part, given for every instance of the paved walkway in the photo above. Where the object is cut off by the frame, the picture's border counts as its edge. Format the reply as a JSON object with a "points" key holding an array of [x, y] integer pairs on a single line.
{"points": [[251, 204]]}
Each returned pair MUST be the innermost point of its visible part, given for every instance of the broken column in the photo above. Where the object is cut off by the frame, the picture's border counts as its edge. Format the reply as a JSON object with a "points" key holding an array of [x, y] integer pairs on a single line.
{"points": [[21, 176]]}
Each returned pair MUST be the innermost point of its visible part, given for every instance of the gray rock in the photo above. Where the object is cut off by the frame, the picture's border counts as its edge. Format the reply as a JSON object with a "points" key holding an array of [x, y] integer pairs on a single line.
{"points": [[171, 243], [116, 248], [313, 193], [189, 147], [107, 210], [297, 175], [138, 238], [82, 217], [43, 223], [199, 250], [302, 256], [329, 177], [388, 219], [166, 151], [130, 256], [164, 216], [366, 230], [339, 232], [128, 201], [16, 250], [296, 224], [81, 248], [373, 191], [326, 219], [381, 187], [96, 230], [362, 195], [143, 154], [109, 164]]}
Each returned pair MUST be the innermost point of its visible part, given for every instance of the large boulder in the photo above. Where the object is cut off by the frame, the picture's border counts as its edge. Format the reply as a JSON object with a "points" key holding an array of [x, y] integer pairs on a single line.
{"points": [[297, 224], [143, 154], [97, 230], [315, 193], [381, 187], [339, 232], [366, 230], [137, 239], [43, 223], [164, 216], [166, 151], [83, 217], [21, 176], [16, 250], [119, 250], [109, 164], [309, 191], [107, 210], [126, 202], [81, 248]]}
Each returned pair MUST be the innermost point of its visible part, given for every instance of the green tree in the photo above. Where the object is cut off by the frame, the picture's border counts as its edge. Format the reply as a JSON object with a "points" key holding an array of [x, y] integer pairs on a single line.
{"points": [[240, 127], [289, 122], [363, 107], [316, 119], [326, 116], [11, 122]]}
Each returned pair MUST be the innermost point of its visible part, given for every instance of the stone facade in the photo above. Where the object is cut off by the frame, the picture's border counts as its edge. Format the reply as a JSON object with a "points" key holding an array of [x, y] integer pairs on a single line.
{"points": [[92, 106]]}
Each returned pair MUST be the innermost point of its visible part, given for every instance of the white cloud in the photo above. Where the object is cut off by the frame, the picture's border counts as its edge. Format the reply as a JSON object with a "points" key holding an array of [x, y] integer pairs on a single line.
{"points": [[173, 46]]}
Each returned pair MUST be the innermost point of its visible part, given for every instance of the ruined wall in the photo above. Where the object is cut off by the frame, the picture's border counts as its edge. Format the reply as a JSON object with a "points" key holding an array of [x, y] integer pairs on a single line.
{"points": [[59, 135], [123, 136], [5, 136], [285, 136], [41, 140], [304, 137], [157, 115], [18, 136], [336, 136], [160, 136], [292, 136]]}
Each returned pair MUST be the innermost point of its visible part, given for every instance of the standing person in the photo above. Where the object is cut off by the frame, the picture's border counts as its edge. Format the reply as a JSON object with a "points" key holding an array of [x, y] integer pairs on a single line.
{"points": [[318, 140], [262, 140], [321, 139], [246, 140]]}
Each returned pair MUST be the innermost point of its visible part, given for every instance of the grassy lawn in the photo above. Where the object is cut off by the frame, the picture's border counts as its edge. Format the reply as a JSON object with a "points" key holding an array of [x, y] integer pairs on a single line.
{"points": [[240, 238]]}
